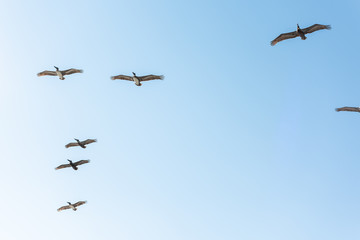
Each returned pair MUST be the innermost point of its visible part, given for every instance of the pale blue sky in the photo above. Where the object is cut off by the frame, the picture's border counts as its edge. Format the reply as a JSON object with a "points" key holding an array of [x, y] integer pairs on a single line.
{"points": [[240, 141]]}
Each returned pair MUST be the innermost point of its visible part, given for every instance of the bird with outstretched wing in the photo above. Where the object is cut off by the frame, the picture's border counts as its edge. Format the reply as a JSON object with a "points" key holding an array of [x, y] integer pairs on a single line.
{"points": [[313, 28], [151, 77], [80, 143], [71, 71], [71, 206], [122, 77], [73, 165]]}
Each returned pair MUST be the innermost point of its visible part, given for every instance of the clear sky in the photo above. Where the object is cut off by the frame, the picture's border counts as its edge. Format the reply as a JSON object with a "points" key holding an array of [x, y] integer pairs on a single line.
{"points": [[240, 141]]}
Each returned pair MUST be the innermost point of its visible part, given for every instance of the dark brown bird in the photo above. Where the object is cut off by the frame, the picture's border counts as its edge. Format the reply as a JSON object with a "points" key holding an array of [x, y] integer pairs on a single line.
{"points": [[72, 164], [59, 73], [81, 144], [136, 79], [71, 206], [348, 109], [299, 33]]}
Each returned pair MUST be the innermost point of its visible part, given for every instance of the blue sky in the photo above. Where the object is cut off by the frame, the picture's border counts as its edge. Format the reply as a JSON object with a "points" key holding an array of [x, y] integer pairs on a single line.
{"points": [[240, 141]]}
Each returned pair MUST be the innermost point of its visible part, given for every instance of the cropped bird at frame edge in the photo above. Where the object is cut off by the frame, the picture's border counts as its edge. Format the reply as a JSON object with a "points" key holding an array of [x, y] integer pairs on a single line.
{"points": [[299, 33], [348, 109]]}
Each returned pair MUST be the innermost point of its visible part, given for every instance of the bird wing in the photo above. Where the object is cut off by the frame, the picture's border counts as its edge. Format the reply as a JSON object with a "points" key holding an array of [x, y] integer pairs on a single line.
{"points": [[151, 77], [72, 144], [79, 203], [63, 166], [88, 141], [284, 36], [81, 162], [315, 27], [64, 208], [71, 71], [349, 109], [44, 73], [122, 77]]}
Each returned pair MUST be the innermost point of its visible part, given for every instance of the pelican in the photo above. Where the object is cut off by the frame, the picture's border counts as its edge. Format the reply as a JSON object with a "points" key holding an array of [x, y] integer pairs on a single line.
{"points": [[81, 144], [348, 109], [71, 206], [136, 79], [72, 164], [59, 73], [299, 33]]}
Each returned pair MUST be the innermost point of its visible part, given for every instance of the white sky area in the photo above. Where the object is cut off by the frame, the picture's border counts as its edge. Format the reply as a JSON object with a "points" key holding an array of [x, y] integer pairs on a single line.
{"points": [[240, 140]]}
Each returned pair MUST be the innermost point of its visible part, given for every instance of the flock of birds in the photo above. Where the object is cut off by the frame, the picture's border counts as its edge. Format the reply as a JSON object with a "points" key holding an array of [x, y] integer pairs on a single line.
{"points": [[138, 79], [74, 165]]}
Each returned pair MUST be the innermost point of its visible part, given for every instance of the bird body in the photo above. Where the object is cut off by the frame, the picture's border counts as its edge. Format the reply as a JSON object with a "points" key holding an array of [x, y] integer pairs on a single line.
{"points": [[80, 143], [71, 206], [73, 165], [138, 79], [59, 73], [299, 33], [61, 77]]}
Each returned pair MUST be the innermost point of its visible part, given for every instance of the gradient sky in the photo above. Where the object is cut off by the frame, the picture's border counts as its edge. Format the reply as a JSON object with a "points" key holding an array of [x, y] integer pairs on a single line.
{"points": [[240, 141]]}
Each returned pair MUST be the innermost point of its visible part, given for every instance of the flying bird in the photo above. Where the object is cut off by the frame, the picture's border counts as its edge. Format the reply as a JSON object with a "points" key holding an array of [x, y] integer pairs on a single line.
{"points": [[72, 164], [81, 144], [71, 206], [348, 109], [299, 33], [136, 79], [59, 73]]}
